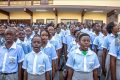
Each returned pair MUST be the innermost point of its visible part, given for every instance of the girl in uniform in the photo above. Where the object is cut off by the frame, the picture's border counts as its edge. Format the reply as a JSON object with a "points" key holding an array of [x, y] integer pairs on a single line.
{"points": [[11, 57], [48, 49], [36, 63], [114, 53], [56, 44], [112, 29], [98, 47], [83, 62]]}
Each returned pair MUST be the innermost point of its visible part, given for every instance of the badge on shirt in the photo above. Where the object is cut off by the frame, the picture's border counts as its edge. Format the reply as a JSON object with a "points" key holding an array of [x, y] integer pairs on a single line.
{"points": [[91, 65], [12, 59], [41, 68]]}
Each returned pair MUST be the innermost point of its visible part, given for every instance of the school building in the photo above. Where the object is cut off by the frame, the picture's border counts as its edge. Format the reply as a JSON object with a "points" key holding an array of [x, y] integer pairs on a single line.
{"points": [[45, 11]]}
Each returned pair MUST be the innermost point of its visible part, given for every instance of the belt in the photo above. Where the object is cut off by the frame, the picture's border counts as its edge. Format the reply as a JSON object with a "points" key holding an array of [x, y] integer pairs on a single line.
{"points": [[8, 73]]}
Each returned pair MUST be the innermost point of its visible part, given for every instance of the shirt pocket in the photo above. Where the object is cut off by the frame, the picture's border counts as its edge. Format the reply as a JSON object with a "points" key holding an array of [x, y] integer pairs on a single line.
{"points": [[91, 65], [12, 59], [41, 68]]}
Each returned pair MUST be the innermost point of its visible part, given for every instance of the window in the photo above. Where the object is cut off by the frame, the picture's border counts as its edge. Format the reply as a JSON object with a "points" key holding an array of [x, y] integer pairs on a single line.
{"points": [[17, 21], [88, 21], [40, 21], [67, 21], [98, 21], [50, 21]]}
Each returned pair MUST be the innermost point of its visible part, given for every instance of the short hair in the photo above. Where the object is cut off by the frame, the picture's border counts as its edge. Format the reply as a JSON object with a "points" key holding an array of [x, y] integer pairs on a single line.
{"points": [[83, 34], [36, 35], [11, 29]]}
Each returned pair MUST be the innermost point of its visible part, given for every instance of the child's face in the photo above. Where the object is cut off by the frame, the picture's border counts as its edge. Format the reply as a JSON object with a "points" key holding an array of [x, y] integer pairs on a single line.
{"points": [[51, 30], [21, 35], [36, 29], [28, 31], [2, 29], [77, 33], [72, 28], [58, 30], [115, 29], [104, 30], [97, 28], [44, 36], [84, 42], [9, 35], [36, 44]]}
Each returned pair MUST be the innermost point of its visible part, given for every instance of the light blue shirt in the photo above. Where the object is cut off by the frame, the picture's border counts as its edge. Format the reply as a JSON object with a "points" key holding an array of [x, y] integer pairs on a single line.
{"points": [[65, 32], [107, 41], [93, 36], [36, 63], [49, 50], [79, 62], [85, 30], [59, 38], [26, 47], [99, 41], [73, 45], [9, 58], [55, 43], [68, 39], [29, 41], [114, 50]]}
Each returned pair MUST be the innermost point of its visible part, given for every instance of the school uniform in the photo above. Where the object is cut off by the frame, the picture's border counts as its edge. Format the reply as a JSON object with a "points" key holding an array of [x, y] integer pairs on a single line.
{"points": [[65, 32], [115, 51], [106, 44], [59, 38], [55, 43], [99, 41], [49, 50], [29, 41], [73, 45], [92, 38], [24, 45], [83, 65], [84, 30], [67, 39], [9, 60], [36, 64], [57, 46]]}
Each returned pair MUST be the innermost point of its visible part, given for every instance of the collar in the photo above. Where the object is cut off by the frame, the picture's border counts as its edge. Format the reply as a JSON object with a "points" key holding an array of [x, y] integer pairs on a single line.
{"points": [[89, 52], [112, 35], [18, 41], [74, 42], [48, 45], [12, 47], [53, 38], [34, 53]]}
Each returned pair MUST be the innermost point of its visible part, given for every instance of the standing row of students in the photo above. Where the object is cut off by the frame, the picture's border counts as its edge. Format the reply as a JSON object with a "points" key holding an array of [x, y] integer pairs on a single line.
{"points": [[90, 53]]}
